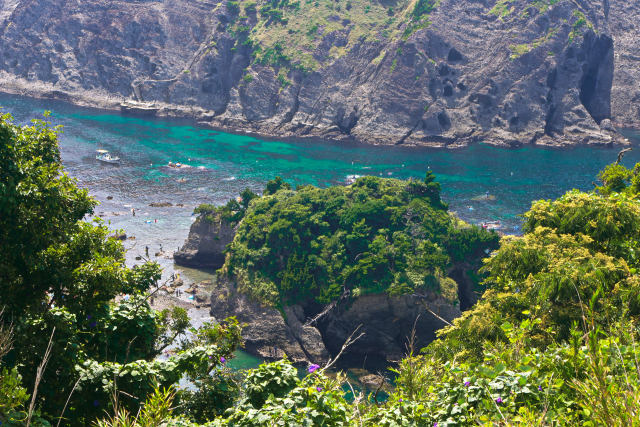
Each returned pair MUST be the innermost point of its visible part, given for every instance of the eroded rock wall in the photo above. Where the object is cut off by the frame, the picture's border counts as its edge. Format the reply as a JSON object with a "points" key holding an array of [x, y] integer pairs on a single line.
{"points": [[471, 75], [208, 237]]}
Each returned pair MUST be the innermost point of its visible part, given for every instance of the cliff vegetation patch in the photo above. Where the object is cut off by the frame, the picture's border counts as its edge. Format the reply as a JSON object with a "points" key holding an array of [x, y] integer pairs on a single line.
{"points": [[376, 235]]}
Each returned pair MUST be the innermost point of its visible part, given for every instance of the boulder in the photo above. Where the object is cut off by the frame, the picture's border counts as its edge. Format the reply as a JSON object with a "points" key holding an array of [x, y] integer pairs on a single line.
{"points": [[201, 296], [607, 125]]}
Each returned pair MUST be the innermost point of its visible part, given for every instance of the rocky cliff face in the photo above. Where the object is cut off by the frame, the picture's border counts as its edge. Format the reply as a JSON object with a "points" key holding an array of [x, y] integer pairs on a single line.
{"points": [[305, 335], [208, 237], [499, 71]]}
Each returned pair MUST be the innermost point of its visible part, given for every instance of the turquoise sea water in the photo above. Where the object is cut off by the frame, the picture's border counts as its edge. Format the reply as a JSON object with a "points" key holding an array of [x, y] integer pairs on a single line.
{"points": [[223, 164]]}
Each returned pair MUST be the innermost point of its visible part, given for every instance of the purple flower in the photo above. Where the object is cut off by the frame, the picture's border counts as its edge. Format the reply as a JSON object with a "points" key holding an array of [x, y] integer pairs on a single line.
{"points": [[222, 359], [400, 400], [313, 367], [96, 403], [93, 324], [210, 357], [88, 317], [319, 388], [435, 424], [539, 388], [467, 383], [499, 400]]}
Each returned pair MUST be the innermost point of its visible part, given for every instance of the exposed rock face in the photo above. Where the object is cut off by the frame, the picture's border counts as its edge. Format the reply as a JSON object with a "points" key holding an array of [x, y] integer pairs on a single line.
{"points": [[469, 76], [624, 26], [386, 321], [208, 238], [266, 333]]}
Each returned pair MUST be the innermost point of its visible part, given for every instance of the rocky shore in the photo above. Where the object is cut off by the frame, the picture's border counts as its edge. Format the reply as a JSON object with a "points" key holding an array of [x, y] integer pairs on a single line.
{"points": [[471, 76]]}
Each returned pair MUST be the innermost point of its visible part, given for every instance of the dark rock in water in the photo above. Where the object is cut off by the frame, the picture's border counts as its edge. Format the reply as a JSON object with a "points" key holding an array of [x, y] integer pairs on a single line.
{"points": [[373, 382], [160, 204], [119, 236], [208, 237], [109, 197], [201, 296]]}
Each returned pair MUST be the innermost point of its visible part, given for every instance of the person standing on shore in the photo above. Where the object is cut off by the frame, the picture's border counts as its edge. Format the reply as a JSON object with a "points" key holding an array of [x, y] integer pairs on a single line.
{"points": [[133, 211]]}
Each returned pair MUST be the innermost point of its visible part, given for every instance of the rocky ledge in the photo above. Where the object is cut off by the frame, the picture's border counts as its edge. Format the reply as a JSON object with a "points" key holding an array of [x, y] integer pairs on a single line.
{"points": [[208, 237]]}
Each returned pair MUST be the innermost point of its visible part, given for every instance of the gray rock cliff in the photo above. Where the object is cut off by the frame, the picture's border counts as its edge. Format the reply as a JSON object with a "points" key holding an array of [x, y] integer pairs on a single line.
{"points": [[386, 321], [501, 72], [208, 237]]}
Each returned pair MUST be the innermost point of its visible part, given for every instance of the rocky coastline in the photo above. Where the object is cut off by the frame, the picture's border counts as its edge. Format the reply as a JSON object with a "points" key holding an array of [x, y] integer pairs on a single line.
{"points": [[471, 76], [606, 135]]}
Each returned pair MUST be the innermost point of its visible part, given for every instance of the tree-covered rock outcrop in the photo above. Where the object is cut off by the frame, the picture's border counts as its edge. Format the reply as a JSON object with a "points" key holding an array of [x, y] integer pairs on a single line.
{"points": [[374, 236], [308, 266]]}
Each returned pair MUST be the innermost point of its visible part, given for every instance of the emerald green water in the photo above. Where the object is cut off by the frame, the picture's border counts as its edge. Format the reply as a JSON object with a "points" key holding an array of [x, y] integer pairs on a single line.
{"points": [[223, 164]]}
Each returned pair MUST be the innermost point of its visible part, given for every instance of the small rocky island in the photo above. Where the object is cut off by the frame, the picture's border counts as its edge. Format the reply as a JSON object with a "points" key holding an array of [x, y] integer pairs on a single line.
{"points": [[376, 257]]}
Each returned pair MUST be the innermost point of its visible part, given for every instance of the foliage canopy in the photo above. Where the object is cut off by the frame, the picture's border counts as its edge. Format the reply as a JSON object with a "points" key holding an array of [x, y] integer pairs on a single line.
{"points": [[376, 235]]}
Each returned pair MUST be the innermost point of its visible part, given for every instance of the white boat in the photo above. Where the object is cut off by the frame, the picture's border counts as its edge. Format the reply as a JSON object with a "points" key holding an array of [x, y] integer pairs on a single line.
{"points": [[106, 157]]}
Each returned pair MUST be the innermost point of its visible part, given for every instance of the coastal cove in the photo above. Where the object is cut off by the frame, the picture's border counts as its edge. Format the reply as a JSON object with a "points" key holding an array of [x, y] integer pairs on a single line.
{"points": [[222, 164]]}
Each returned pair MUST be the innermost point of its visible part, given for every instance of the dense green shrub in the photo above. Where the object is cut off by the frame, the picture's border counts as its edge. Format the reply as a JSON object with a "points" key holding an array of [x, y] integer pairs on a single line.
{"points": [[64, 286], [377, 235]]}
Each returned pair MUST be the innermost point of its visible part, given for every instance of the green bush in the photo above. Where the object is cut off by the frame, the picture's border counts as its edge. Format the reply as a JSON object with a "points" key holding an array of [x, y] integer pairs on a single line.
{"points": [[377, 235]]}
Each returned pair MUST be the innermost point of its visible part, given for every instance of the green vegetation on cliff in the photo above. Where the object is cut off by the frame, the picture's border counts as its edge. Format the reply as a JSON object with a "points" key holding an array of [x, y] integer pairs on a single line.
{"points": [[376, 235], [70, 308], [310, 34]]}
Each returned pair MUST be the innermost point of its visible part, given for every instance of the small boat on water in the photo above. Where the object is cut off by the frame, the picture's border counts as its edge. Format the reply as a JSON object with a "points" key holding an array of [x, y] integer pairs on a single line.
{"points": [[106, 157], [350, 179], [177, 165]]}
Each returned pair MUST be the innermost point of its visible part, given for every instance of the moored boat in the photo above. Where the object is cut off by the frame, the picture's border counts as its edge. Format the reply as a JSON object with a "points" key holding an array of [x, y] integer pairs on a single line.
{"points": [[491, 225], [106, 157]]}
